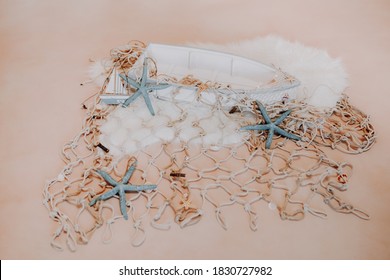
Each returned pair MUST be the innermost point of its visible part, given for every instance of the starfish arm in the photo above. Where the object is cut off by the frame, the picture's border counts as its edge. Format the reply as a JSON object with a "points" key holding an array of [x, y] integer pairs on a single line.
{"points": [[104, 196], [129, 81], [157, 86], [128, 174], [263, 112], [269, 138], [122, 201], [93, 201], [132, 98], [256, 127], [286, 134], [107, 178], [148, 102], [144, 77], [138, 188], [282, 117]]}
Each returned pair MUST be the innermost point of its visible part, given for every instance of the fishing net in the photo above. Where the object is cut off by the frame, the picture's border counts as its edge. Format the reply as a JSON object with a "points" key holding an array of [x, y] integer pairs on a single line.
{"points": [[194, 152]]}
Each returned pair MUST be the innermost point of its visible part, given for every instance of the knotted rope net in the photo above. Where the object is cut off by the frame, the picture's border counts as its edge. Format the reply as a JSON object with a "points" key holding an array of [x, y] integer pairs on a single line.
{"points": [[196, 154]]}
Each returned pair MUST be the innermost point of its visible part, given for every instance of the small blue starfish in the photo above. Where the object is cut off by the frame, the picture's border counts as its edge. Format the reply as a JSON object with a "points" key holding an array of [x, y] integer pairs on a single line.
{"points": [[143, 87], [120, 188], [271, 126]]}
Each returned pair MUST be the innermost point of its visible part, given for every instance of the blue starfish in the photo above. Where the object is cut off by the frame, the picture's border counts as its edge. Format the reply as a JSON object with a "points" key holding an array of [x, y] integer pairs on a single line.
{"points": [[272, 127], [120, 188], [143, 87]]}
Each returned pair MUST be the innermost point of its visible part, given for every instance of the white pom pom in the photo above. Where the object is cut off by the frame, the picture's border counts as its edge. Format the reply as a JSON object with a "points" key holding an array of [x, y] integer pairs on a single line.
{"points": [[212, 138], [131, 122], [130, 147], [143, 113], [171, 112], [152, 139], [118, 137], [116, 152], [165, 133], [140, 134], [120, 112], [189, 132], [231, 134], [209, 125], [232, 138], [109, 126], [103, 140], [157, 121]]}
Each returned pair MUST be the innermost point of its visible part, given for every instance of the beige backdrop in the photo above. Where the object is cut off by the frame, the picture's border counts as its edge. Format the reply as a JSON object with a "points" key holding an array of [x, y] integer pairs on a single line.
{"points": [[44, 52]]}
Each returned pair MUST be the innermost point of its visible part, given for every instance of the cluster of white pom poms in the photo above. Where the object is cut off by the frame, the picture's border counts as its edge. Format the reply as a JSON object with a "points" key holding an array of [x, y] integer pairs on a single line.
{"points": [[128, 130]]}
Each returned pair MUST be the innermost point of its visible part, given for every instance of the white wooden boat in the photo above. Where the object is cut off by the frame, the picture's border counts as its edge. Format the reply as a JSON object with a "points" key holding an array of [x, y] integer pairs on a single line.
{"points": [[236, 75]]}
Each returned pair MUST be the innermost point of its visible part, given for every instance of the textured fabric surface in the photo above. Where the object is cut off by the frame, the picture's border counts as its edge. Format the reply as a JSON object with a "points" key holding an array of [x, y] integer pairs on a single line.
{"points": [[323, 78]]}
